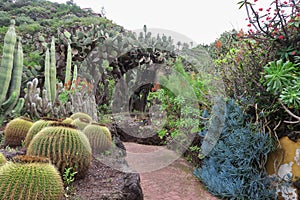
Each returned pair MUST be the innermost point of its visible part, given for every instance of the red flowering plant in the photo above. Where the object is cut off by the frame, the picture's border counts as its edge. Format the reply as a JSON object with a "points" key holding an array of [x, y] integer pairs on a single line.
{"points": [[279, 26], [279, 23]]}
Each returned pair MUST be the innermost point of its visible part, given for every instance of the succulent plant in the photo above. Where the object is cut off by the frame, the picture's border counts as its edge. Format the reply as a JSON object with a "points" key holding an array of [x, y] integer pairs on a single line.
{"points": [[81, 115], [36, 127], [80, 123], [64, 145], [2, 159], [30, 178], [97, 135], [67, 120], [11, 75], [16, 131], [39, 105]]}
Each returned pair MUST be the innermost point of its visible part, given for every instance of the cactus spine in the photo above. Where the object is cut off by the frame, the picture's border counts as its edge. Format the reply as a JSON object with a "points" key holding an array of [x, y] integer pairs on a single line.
{"points": [[30, 179], [11, 74]]}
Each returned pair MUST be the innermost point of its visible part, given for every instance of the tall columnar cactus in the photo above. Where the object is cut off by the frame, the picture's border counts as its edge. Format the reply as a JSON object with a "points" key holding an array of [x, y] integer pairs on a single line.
{"points": [[47, 72], [64, 145], [16, 131], [7, 60], [36, 127], [53, 69], [98, 138], [11, 75], [68, 68], [30, 179], [74, 77]]}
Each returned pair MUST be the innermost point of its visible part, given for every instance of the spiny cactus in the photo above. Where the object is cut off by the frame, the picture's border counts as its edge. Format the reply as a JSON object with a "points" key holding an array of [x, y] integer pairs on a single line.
{"points": [[41, 106], [16, 131], [98, 138], [52, 69], [64, 145], [36, 105], [81, 115], [2, 159], [85, 103], [67, 120], [47, 83], [80, 123], [30, 178], [11, 75], [68, 68], [36, 127]]}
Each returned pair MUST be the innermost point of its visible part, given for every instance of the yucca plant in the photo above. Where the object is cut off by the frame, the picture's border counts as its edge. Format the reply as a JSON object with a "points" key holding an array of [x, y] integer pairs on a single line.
{"points": [[16, 130], [30, 178], [36, 127], [64, 145], [99, 137]]}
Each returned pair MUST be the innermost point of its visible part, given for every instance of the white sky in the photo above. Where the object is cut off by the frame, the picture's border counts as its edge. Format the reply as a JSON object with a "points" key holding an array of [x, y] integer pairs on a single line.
{"points": [[201, 21]]}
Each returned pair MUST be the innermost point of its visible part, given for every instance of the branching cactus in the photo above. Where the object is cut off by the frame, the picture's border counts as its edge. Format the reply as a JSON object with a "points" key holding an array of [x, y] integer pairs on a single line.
{"points": [[98, 138], [41, 106], [16, 131], [36, 105], [64, 145], [11, 75], [36, 127], [84, 103], [30, 178]]}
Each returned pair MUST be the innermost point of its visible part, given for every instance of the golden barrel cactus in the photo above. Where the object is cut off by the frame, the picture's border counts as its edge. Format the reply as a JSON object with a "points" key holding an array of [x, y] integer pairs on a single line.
{"points": [[64, 145]]}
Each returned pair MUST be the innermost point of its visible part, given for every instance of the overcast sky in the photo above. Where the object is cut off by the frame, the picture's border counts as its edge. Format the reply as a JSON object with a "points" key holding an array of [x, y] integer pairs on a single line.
{"points": [[201, 21]]}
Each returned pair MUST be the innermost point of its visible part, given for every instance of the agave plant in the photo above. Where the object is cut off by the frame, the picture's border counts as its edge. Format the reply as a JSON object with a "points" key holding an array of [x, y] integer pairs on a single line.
{"points": [[279, 75]]}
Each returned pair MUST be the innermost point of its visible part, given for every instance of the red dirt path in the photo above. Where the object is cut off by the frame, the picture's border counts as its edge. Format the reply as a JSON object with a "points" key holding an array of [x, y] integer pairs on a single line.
{"points": [[172, 182]]}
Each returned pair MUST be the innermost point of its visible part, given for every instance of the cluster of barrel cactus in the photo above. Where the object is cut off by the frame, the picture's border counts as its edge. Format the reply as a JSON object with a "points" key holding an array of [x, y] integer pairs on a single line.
{"points": [[11, 74], [66, 142]]}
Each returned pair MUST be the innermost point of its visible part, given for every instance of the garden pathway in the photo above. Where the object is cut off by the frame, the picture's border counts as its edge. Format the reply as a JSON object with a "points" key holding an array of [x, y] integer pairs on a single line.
{"points": [[164, 176]]}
